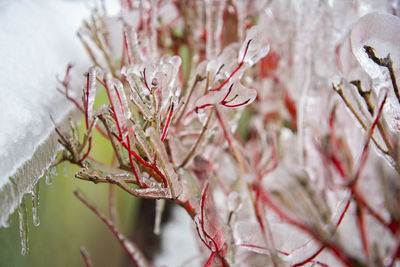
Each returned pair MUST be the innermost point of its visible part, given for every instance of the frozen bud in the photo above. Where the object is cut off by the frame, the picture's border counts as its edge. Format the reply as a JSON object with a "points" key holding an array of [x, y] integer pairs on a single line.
{"points": [[234, 202], [255, 47]]}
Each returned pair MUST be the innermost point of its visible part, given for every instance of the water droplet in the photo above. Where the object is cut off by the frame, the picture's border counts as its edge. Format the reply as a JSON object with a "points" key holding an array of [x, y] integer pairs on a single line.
{"points": [[23, 227], [35, 205]]}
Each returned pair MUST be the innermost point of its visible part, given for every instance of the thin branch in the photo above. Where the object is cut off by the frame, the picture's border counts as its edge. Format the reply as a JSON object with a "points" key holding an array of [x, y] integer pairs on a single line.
{"points": [[86, 259], [130, 248], [198, 141]]}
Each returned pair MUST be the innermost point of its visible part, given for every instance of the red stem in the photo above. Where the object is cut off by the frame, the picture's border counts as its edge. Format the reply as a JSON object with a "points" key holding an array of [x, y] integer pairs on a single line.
{"points": [[128, 51], [203, 199], [131, 162], [285, 217], [210, 259], [85, 256], [237, 68], [363, 231], [121, 239], [168, 122]]}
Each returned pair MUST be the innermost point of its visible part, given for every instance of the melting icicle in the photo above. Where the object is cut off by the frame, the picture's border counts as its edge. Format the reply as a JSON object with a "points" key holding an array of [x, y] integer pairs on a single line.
{"points": [[160, 205], [35, 205], [6, 224], [23, 227], [50, 173]]}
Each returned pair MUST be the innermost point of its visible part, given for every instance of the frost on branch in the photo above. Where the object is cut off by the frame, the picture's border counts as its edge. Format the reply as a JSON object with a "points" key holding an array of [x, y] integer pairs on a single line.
{"points": [[253, 137]]}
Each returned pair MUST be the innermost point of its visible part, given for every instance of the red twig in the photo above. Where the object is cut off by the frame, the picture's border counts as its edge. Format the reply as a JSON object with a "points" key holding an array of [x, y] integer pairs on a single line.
{"points": [[210, 259], [203, 199], [285, 217], [131, 162], [237, 105], [86, 259], [145, 81], [133, 253], [363, 231], [88, 150], [106, 86], [237, 68], [171, 111], [127, 49]]}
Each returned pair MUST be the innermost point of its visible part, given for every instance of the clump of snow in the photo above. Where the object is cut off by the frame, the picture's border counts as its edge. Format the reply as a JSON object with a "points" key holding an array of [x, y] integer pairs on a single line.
{"points": [[38, 42]]}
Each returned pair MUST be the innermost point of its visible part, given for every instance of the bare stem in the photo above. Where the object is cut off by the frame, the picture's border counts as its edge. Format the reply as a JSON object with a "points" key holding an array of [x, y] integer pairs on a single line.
{"points": [[86, 259], [130, 248], [198, 141]]}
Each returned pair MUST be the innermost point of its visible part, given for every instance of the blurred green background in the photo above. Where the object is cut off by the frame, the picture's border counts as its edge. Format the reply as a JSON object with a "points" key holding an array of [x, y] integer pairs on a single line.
{"points": [[66, 224]]}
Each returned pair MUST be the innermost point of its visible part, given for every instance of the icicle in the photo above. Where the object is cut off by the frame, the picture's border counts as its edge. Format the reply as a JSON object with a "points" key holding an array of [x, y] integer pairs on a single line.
{"points": [[160, 205], [50, 173], [91, 93], [35, 205], [162, 157], [6, 223], [214, 21], [23, 227]]}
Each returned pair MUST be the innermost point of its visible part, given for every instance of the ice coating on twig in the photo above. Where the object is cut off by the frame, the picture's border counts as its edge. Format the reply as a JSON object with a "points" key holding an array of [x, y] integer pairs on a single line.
{"points": [[258, 48], [212, 98], [239, 96], [382, 32], [135, 97], [91, 93], [141, 140], [163, 158], [121, 108]]}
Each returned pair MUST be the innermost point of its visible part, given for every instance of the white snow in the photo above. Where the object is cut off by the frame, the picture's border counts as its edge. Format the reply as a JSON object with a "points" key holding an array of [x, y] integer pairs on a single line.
{"points": [[37, 41]]}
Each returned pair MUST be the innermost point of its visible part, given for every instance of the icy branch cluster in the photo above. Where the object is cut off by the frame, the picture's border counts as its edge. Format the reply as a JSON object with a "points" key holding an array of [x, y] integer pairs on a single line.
{"points": [[274, 124]]}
